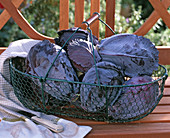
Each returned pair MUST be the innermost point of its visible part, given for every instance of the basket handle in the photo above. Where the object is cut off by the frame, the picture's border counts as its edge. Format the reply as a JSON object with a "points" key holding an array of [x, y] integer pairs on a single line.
{"points": [[95, 16]]}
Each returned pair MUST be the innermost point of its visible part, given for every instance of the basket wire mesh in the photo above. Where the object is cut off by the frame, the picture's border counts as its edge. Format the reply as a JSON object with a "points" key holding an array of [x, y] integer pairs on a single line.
{"points": [[34, 93]]}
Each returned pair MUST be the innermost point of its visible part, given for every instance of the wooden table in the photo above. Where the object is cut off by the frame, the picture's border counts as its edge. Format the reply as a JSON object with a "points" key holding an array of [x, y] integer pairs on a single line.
{"points": [[155, 125]]}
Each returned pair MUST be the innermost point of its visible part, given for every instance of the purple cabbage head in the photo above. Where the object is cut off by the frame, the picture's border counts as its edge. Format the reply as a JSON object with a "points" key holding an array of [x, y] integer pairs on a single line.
{"points": [[80, 53], [135, 54], [80, 34], [94, 98], [39, 61], [135, 100]]}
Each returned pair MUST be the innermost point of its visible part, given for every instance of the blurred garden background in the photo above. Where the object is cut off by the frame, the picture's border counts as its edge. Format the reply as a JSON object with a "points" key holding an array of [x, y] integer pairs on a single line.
{"points": [[43, 15]]}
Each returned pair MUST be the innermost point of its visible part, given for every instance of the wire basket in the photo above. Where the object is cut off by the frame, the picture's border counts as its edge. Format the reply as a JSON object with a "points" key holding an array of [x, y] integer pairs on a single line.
{"points": [[34, 96], [113, 103]]}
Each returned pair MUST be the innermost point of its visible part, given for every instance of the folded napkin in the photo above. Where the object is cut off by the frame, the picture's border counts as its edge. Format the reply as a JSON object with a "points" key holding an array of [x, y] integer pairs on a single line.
{"points": [[11, 107]]}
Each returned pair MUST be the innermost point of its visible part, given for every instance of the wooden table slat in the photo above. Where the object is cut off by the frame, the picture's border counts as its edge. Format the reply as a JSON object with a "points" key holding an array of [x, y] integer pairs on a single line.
{"points": [[149, 130], [162, 109], [151, 118], [167, 82], [165, 101], [166, 92]]}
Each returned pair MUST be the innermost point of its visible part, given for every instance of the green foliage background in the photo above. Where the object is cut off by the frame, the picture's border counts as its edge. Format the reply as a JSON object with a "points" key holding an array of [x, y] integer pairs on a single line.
{"points": [[43, 15]]}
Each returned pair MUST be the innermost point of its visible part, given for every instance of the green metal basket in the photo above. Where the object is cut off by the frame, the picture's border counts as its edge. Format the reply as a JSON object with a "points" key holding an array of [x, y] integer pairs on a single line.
{"points": [[38, 93], [31, 92]]}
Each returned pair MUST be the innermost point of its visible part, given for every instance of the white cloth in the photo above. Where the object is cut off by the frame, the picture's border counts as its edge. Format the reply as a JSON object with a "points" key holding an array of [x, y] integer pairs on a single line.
{"points": [[10, 105]]}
